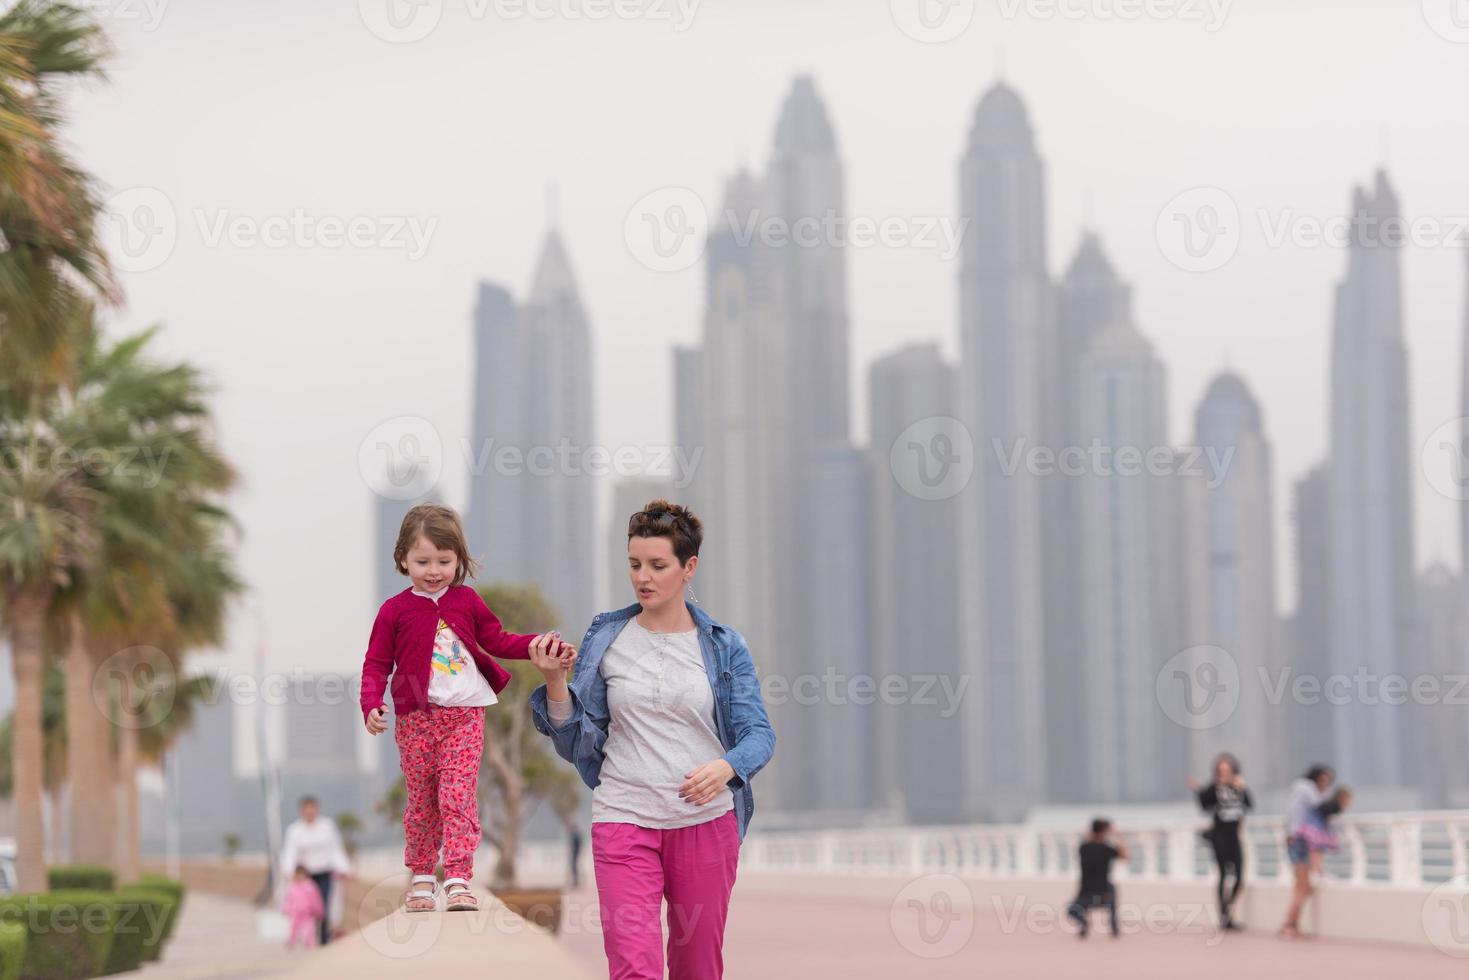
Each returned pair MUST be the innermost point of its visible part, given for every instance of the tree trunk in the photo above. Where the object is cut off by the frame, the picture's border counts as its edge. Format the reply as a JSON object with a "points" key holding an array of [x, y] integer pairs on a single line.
{"points": [[128, 863], [88, 756], [512, 790], [27, 619]]}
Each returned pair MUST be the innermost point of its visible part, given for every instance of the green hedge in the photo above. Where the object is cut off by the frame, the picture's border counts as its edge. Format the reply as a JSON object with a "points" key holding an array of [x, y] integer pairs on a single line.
{"points": [[141, 918], [82, 877], [174, 889], [12, 949], [69, 932]]}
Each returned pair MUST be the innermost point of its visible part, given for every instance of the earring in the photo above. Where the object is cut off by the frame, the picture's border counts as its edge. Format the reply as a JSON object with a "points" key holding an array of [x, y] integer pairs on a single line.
{"points": [[689, 591]]}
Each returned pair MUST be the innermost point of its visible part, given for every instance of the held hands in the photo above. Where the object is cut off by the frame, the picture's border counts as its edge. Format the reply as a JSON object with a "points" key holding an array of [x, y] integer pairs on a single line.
{"points": [[701, 784], [377, 720], [552, 655]]}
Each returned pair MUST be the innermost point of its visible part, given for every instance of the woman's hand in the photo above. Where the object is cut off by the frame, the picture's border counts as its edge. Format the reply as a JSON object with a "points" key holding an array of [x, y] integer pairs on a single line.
{"points": [[1193, 784], [704, 783], [552, 657]]}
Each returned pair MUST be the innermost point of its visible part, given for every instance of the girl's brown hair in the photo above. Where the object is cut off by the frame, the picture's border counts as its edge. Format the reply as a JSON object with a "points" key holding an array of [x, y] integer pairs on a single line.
{"points": [[440, 526], [661, 519]]}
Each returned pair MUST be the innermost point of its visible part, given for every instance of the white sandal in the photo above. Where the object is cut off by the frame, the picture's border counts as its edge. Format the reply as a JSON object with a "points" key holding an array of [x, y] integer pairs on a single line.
{"points": [[417, 894], [458, 897]]}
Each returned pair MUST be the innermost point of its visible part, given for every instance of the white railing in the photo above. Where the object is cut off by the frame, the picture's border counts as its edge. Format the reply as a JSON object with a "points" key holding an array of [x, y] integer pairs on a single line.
{"points": [[1378, 849]]}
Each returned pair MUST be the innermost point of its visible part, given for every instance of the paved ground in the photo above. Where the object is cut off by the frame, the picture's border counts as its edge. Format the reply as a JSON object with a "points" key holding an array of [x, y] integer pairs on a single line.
{"points": [[773, 935]]}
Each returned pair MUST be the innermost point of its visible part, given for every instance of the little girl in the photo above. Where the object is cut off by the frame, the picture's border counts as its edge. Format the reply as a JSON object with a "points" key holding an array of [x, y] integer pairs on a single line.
{"points": [[1318, 832], [437, 638], [302, 905]]}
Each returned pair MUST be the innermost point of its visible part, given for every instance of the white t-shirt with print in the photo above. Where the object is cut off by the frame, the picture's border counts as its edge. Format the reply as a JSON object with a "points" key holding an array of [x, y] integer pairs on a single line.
{"points": [[453, 680]]}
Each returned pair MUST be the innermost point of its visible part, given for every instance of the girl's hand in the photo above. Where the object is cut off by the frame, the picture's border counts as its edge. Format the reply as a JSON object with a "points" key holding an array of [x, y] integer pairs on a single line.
{"points": [[703, 783], [377, 720], [552, 657]]}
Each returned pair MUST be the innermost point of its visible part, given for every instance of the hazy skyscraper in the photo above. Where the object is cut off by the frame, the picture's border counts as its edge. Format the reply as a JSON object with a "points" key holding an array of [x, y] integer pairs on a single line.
{"points": [[1089, 299], [1311, 734], [1005, 308], [1438, 725], [1233, 603], [1128, 559], [535, 503], [773, 366], [915, 603], [1373, 596]]}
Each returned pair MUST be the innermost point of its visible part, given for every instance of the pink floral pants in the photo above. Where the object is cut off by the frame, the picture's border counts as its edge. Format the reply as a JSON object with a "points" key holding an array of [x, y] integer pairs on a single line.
{"points": [[439, 750]]}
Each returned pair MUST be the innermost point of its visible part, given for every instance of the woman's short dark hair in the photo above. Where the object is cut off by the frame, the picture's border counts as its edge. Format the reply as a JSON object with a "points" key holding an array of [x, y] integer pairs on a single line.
{"points": [[661, 519], [1318, 770]]}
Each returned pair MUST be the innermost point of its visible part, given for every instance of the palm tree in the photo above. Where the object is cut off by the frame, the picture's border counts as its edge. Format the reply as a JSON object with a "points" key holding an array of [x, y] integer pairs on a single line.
{"points": [[125, 554], [48, 208], [158, 564]]}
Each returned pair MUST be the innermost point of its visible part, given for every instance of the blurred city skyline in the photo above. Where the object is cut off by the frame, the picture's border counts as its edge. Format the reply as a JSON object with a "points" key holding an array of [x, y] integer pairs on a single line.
{"points": [[326, 344]]}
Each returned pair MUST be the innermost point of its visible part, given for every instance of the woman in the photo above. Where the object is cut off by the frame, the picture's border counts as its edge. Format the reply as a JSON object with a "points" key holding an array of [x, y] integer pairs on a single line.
{"points": [[1226, 799], [665, 722], [1306, 794]]}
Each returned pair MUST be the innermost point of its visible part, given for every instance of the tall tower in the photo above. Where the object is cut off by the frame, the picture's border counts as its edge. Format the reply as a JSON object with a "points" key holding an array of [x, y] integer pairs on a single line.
{"points": [[1127, 552], [1235, 608], [915, 565], [534, 506], [1005, 307], [1373, 605], [1090, 298]]}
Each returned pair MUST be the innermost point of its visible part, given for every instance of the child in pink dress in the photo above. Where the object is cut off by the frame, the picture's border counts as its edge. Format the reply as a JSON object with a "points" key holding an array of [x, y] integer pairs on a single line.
{"points": [[302, 905]]}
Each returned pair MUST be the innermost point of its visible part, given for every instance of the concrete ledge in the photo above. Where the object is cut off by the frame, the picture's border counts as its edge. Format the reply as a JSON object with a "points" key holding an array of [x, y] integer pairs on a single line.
{"points": [[492, 941]]}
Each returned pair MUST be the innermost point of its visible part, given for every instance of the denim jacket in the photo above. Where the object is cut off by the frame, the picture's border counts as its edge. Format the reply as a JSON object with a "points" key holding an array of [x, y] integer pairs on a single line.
{"points": [[739, 713]]}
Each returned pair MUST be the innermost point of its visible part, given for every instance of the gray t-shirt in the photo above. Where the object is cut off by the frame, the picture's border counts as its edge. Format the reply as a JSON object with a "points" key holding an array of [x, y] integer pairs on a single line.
{"points": [[661, 725]]}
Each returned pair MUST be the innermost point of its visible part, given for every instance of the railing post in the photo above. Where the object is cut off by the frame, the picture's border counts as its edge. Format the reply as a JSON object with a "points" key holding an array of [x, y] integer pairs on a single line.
{"points": [[1405, 851], [1181, 853], [1026, 841]]}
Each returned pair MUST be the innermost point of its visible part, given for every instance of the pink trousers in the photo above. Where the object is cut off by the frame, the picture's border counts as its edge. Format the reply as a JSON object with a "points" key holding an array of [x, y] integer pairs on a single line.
{"points": [[637, 868], [439, 750], [303, 931]]}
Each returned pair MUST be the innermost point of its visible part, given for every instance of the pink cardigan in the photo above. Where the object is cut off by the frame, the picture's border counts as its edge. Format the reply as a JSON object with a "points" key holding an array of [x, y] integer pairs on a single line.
{"points": [[402, 644]]}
